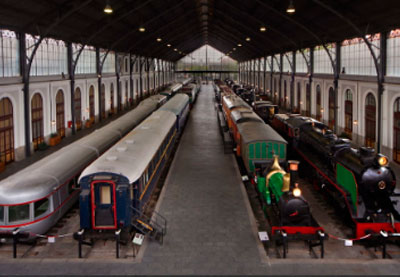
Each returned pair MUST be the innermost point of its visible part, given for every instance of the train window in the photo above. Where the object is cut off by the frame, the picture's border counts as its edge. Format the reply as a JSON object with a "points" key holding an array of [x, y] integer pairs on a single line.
{"points": [[105, 195], [41, 207], [18, 213], [1, 213]]}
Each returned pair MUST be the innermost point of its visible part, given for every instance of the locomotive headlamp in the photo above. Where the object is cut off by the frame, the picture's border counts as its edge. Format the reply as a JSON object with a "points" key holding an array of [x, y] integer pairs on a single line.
{"points": [[382, 185], [297, 192], [382, 160], [293, 165]]}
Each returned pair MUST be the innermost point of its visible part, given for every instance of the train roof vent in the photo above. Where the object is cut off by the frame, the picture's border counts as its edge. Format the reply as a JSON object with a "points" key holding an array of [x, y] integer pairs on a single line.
{"points": [[129, 141], [121, 149], [111, 158]]}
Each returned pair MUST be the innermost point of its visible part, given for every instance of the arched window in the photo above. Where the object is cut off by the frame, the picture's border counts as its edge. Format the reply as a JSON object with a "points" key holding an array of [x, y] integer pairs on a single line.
{"points": [[298, 97], [6, 131], [370, 120], [60, 115], [285, 100], [112, 99], [103, 101], [37, 120], [91, 104], [348, 113], [396, 133], [318, 112], [331, 104], [78, 108], [308, 100]]}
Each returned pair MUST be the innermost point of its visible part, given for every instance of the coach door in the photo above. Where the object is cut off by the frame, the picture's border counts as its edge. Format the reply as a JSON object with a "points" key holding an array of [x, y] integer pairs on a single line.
{"points": [[104, 213]]}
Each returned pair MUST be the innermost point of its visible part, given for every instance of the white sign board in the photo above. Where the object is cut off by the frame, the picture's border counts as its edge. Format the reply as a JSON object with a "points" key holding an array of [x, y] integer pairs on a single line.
{"points": [[263, 236], [348, 242], [138, 239], [51, 239]]}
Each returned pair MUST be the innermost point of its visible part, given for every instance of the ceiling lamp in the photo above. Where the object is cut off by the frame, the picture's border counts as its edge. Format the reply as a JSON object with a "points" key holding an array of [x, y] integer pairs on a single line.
{"points": [[142, 29], [239, 45], [168, 45], [234, 48], [290, 9], [108, 9], [263, 29], [159, 39], [248, 39], [175, 50]]}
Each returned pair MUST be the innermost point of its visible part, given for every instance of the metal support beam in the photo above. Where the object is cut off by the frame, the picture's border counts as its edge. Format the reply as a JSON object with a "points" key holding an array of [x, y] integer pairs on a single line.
{"points": [[72, 84], [141, 63], [131, 67], [118, 76], [381, 89], [148, 74], [336, 74], [25, 79], [293, 75], [310, 77], [98, 70], [271, 81], [265, 75]]}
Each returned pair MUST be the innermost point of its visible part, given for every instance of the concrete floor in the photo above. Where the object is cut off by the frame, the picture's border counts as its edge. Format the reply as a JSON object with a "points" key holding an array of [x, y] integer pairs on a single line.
{"points": [[211, 228]]}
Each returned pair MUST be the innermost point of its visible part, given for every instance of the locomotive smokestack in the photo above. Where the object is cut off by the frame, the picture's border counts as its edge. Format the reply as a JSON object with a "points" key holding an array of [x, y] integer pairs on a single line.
{"points": [[293, 169]]}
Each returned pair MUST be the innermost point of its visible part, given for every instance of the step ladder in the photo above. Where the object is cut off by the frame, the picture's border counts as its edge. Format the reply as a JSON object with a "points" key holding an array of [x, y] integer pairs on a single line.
{"points": [[155, 226]]}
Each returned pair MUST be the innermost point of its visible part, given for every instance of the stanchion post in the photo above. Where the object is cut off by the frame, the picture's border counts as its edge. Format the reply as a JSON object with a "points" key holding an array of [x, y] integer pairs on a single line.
{"points": [[15, 234], [117, 238], [321, 241], [80, 235]]}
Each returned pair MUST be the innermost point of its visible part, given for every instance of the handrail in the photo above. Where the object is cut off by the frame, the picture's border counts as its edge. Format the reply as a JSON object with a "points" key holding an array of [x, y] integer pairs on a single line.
{"points": [[156, 219]]}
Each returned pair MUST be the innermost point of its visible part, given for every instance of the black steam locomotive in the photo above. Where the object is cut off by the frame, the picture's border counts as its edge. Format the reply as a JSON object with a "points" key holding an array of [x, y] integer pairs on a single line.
{"points": [[359, 180]]}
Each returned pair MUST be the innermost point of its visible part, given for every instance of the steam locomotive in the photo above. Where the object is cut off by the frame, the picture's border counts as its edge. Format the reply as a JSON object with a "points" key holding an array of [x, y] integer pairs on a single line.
{"points": [[358, 180], [263, 151]]}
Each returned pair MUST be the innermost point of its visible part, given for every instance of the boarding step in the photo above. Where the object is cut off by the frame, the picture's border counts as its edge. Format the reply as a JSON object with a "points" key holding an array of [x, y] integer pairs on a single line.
{"points": [[155, 226]]}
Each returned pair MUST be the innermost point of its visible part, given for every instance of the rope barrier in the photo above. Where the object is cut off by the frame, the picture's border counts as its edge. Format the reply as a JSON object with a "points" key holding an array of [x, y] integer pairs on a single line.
{"points": [[352, 239], [50, 236]]}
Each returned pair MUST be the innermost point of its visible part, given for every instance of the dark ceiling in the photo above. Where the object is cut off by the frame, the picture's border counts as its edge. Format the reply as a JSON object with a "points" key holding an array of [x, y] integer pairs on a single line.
{"points": [[189, 24]]}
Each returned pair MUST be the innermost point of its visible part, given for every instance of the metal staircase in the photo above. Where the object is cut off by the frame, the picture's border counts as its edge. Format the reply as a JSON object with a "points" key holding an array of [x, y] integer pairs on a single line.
{"points": [[155, 226]]}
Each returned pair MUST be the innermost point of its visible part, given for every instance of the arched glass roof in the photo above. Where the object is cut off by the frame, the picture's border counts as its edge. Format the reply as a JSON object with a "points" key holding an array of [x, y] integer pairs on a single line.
{"points": [[207, 58]]}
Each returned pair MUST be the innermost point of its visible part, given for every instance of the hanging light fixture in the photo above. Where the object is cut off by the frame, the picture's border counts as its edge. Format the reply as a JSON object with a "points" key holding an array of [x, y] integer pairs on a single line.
{"points": [[108, 9], [290, 9], [263, 29], [248, 39], [168, 45], [239, 45], [159, 39], [142, 29]]}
